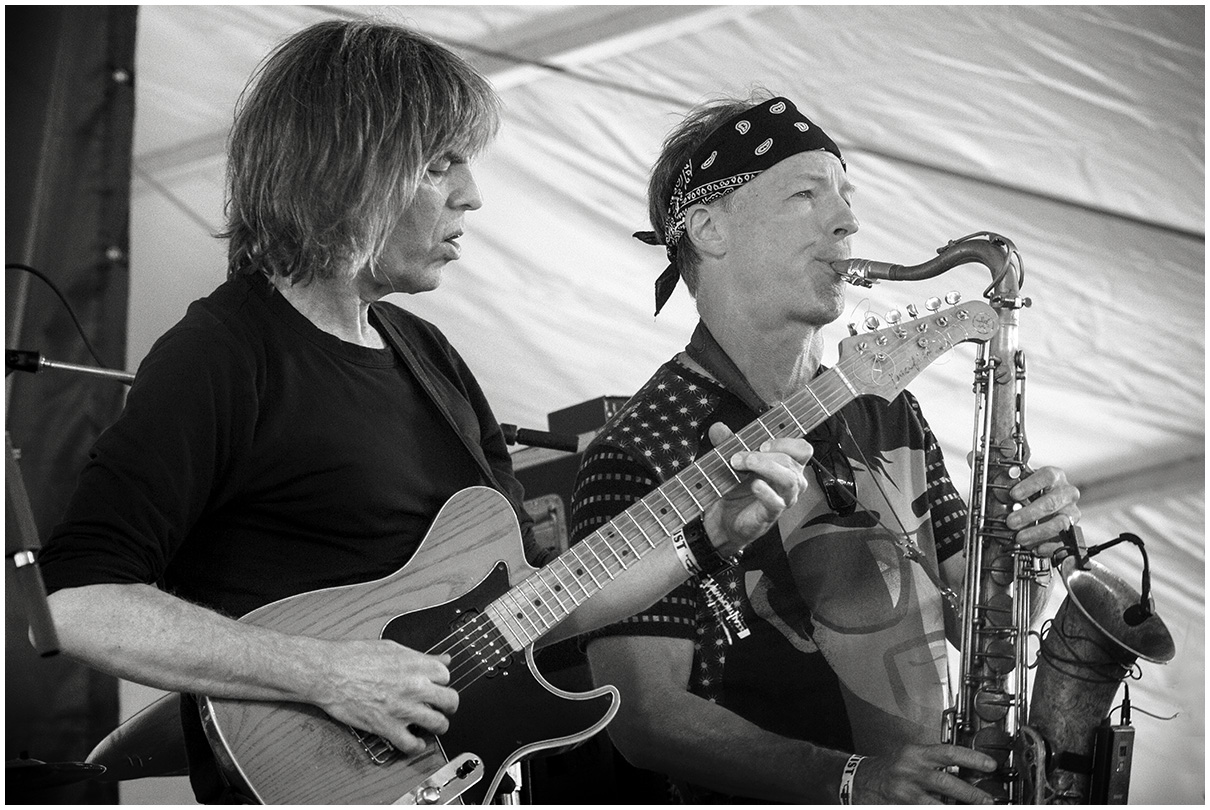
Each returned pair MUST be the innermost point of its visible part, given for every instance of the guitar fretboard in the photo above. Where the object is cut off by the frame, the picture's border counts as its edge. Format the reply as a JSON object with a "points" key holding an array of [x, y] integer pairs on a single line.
{"points": [[531, 609]]}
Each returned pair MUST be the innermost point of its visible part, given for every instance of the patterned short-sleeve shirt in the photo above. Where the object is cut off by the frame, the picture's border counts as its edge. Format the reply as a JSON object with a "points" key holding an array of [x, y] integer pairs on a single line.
{"points": [[846, 639]]}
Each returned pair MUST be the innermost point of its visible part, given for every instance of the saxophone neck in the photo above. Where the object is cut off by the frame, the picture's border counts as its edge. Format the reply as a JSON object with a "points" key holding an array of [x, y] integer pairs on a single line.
{"points": [[995, 252]]}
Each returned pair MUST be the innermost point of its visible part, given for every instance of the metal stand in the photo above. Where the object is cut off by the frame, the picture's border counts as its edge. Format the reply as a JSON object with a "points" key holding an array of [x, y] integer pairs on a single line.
{"points": [[513, 796], [21, 546]]}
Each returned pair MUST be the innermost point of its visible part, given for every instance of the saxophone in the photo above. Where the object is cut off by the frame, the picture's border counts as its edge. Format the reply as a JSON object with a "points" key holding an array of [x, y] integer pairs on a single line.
{"points": [[1042, 754]]}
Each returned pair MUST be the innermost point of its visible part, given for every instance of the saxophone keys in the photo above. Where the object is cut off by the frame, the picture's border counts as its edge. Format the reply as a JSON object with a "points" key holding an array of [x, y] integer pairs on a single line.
{"points": [[992, 705], [995, 742], [998, 610], [1002, 569], [1000, 656]]}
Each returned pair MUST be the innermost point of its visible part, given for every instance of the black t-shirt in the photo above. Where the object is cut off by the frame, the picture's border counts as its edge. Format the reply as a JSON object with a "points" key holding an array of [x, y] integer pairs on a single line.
{"points": [[258, 457]]}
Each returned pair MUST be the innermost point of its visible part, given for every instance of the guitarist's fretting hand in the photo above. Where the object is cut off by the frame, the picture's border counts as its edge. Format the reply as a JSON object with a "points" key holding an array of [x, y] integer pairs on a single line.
{"points": [[773, 484], [389, 690]]}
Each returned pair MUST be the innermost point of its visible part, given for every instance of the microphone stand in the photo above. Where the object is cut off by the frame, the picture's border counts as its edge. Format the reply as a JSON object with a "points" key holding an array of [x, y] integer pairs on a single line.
{"points": [[33, 362], [566, 442], [21, 544]]}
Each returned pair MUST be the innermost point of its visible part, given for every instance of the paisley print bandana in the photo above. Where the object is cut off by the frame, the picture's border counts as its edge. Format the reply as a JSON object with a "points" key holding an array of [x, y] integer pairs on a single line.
{"points": [[733, 154]]}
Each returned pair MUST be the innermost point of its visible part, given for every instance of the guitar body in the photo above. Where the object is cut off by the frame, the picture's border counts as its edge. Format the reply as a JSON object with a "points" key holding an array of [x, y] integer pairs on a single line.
{"points": [[291, 753]]}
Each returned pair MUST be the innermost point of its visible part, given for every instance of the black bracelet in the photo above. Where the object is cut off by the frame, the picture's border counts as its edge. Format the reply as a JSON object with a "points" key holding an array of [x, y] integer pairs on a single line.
{"points": [[708, 558]]}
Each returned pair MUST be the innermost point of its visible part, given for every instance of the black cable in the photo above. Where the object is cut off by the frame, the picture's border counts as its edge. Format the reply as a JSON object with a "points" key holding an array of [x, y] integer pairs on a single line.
{"points": [[1135, 614], [70, 311]]}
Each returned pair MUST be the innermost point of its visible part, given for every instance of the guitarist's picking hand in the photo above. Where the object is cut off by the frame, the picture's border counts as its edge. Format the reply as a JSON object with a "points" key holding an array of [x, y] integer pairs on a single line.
{"points": [[390, 690], [772, 480]]}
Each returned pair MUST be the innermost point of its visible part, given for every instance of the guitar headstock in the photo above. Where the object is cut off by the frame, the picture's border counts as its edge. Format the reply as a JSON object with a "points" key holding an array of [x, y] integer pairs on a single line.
{"points": [[883, 362]]}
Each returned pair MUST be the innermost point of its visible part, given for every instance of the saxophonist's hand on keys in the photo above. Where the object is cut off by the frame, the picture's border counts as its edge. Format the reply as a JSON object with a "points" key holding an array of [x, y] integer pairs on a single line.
{"points": [[916, 774], [1048, 506]]}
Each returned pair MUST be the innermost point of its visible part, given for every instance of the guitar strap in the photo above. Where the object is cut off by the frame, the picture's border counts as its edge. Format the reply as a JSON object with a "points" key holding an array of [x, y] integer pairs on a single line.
{"points": [[704, 349], [437, 394]]}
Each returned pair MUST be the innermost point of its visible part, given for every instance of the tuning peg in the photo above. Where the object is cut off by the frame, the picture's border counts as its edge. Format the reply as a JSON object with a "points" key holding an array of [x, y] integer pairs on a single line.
{"points": [[932, 304], [912, 311], [952, 297], [852, 330], [872, 323], [894, 316]]}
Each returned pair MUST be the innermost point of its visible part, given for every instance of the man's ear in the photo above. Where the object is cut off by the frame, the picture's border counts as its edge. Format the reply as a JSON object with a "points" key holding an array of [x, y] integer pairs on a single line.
{"points": [[706, 231]]}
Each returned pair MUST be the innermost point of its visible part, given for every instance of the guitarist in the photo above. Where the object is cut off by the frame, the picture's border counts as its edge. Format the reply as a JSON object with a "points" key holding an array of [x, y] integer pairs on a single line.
{"points": [[814, 670], [292, 432]]}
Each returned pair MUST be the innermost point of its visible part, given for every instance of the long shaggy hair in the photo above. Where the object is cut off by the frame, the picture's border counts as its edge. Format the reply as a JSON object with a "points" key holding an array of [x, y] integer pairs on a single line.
{"points": [[679, 147], [331, 138]]}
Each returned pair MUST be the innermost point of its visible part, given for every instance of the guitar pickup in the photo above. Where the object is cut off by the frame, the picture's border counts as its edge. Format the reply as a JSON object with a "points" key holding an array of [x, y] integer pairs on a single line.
{"points": [[379, 750], [447, 783]]}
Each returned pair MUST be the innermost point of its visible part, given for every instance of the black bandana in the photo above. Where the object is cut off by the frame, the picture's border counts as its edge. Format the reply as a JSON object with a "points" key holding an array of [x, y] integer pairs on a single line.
{"points": [[736, 152]]}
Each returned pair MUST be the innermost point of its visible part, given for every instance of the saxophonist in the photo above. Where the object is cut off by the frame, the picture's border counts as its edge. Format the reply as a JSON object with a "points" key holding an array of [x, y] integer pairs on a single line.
{"points": [[813, 669]]}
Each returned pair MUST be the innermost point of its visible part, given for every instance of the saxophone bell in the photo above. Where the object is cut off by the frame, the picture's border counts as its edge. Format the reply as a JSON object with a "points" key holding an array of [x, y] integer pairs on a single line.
{"points": [[1087, 650]]}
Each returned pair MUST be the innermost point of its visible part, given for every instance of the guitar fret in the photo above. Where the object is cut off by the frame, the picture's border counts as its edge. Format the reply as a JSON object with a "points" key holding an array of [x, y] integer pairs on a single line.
{"points": [[540, 603], [520, 634], [570, 593], [549, 573], [765, 427], [715, 455], [821, 405], [616, 556], [794, 419], [689, 492], [521, 613], [679, 515], [635, 521], [574, 551], [776, 415], [663, 529], [616, 531], [588, 568], [610, 531], [845, 380], [555, 593]]}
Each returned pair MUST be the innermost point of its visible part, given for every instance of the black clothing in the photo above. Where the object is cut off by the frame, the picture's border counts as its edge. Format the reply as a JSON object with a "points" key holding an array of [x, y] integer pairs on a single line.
{"points": [[259, 457]]}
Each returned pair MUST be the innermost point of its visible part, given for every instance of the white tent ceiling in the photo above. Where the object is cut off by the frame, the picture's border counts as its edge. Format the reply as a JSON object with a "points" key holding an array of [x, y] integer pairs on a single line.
{"points": [[1078, 132]]}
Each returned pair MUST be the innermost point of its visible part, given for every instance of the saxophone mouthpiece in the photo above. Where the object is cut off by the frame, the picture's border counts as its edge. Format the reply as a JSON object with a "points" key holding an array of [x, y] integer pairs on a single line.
{"points": [[855, 271]]}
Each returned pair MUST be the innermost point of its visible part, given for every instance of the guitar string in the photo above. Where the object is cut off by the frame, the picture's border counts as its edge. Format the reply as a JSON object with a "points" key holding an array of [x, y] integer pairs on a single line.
{"points": [[482, 624]]}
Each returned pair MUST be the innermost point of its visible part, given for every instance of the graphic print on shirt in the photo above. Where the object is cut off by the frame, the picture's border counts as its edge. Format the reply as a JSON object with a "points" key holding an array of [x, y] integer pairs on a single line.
{"points": [[878, 624], [875, 615]]}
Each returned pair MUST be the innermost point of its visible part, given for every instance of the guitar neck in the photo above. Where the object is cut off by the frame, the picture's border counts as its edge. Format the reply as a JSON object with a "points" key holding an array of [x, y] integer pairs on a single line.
{"points": [[531, 609]]}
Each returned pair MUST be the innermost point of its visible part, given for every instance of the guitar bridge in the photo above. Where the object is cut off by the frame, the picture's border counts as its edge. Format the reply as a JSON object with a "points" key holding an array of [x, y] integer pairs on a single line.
{"points": [[447, 783], [379, 750]]}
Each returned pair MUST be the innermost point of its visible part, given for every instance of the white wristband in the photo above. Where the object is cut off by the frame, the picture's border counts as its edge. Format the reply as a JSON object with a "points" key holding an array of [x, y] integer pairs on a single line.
{"points": [[686, 556], [846, 778]]}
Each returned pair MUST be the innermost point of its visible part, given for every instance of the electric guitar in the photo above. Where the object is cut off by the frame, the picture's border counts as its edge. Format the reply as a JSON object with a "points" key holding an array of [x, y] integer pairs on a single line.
{"points": [[469, 593]]}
